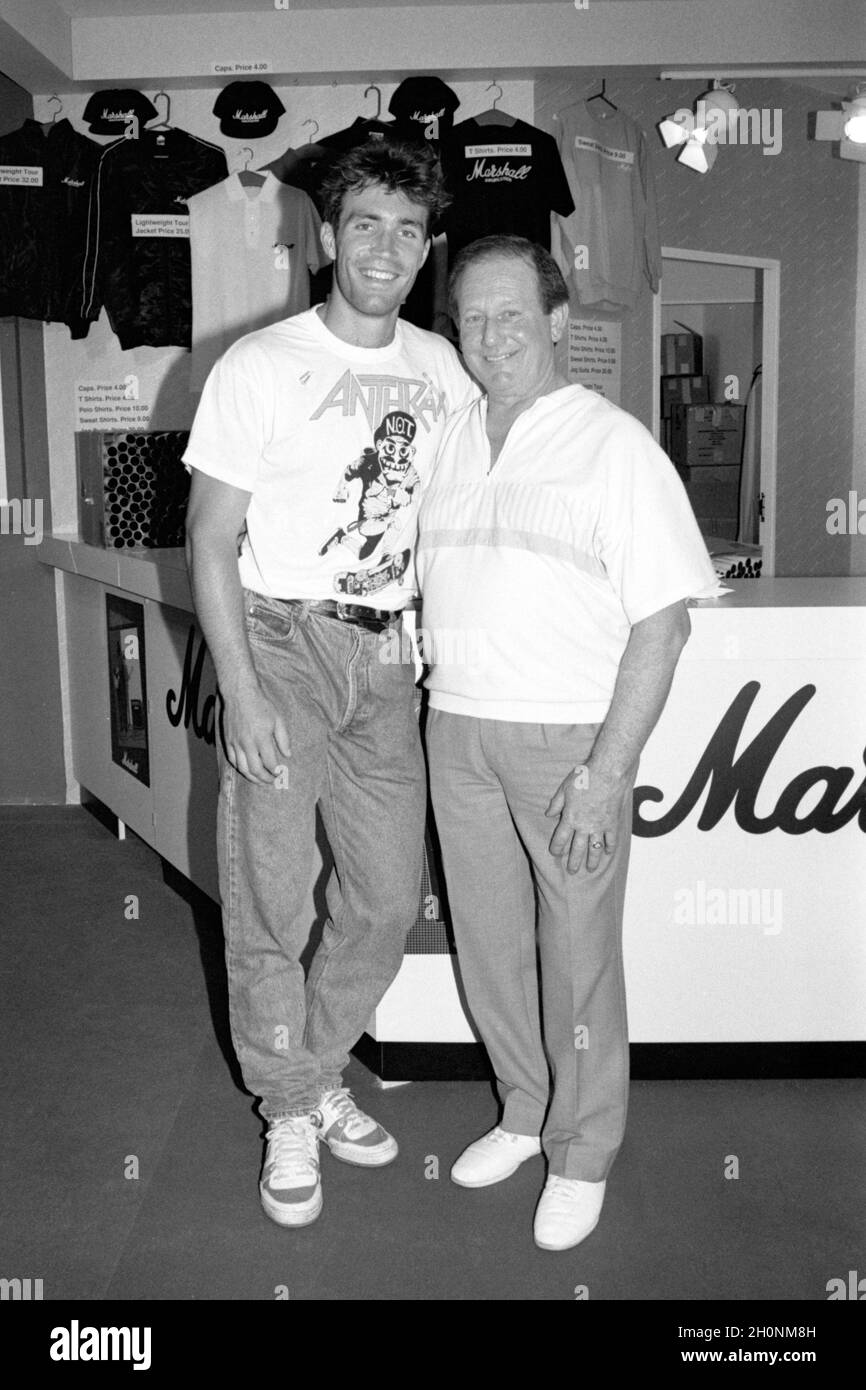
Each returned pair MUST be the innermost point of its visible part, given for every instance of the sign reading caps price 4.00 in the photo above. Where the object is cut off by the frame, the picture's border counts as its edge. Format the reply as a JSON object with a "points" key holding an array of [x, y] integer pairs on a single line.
{"points": [[239, 69], [595, 356], [108, 405]]}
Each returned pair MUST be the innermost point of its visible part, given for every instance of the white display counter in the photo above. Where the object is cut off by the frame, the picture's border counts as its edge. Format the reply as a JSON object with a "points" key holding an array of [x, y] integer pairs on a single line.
{"points": [[746, 902]]}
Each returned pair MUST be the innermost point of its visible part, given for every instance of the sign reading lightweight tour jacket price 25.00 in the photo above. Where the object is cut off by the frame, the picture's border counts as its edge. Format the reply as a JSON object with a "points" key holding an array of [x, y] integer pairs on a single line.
{"points": [[160, 224]]}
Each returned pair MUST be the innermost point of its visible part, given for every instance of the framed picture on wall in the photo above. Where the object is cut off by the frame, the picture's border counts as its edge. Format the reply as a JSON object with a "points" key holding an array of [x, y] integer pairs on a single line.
{"points": [[127, 685]]}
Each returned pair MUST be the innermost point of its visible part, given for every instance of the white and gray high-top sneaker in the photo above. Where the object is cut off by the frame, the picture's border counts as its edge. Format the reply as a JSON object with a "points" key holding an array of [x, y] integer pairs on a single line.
{"points": [[350, 1134], [290, 1185]]}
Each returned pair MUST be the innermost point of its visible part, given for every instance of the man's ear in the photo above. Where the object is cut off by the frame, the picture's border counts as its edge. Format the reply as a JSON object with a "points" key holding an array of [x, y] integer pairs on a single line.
{"points": [[427, 244], [558, 320], [328, 240]]}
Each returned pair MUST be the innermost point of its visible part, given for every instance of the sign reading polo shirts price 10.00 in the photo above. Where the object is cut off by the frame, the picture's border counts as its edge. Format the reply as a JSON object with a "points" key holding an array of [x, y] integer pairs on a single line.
{"points": [[595, 356], [110, 405]]}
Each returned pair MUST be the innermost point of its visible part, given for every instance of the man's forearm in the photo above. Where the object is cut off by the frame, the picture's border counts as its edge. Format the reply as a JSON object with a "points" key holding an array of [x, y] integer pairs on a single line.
{"points": [[642, 685], [219, 606]]}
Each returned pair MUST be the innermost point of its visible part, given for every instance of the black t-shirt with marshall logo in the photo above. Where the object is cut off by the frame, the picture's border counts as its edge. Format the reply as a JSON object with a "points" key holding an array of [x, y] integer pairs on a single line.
{"points": [[503, 179]]}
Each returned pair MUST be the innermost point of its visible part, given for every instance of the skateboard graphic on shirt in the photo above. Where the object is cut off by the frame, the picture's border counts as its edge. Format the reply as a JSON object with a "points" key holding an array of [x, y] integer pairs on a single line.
{"points": [[388, 479], [364, 582]]}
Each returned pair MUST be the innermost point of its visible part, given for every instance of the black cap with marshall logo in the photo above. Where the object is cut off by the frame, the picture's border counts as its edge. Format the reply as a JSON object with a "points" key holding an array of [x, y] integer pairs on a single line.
{"points": [[249, 109], [109, 112], [425, 103]]}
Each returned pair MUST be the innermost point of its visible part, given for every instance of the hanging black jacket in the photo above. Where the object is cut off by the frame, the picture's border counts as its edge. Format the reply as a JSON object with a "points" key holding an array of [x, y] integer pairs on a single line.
{"points": [[43, 222], [139, 271]]}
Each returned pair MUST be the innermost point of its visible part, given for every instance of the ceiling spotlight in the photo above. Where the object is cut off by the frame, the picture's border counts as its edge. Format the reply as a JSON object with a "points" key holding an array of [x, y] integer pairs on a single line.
{"points": [[854, 116], [702, 130], [848, 126]]}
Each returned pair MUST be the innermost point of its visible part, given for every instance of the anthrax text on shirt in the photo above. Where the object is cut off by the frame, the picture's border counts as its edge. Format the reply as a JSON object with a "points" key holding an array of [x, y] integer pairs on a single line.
{"points": [[378, 394]]}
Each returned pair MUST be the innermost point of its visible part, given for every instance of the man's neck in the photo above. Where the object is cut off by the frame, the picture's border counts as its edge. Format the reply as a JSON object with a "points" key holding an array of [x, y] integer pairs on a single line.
{"points": [[359, 330], [503, 411]]}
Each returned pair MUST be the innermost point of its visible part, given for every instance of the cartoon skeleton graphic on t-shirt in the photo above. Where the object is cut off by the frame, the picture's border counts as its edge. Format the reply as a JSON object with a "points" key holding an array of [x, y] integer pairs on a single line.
{"points": [[388, 479]]}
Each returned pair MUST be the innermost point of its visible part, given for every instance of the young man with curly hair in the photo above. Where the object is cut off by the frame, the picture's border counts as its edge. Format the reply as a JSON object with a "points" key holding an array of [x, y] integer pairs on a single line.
{"points": [[300, 560]]}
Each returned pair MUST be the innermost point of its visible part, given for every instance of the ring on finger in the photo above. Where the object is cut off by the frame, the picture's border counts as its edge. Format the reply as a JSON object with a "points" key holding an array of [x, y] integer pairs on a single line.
{"points": [[596, 844]]}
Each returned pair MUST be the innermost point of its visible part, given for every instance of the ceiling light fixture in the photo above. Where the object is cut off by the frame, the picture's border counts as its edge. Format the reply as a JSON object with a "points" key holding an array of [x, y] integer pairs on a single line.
{"points": [[848, 126], [701, 131]]}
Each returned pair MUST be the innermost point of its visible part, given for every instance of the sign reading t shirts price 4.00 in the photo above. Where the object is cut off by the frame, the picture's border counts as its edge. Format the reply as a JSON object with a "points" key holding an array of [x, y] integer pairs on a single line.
{"points": [[595, 356]]}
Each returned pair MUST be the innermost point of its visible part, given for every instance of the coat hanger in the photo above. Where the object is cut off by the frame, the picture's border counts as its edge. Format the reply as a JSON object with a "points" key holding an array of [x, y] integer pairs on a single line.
{"points": [[47, 126], [493, 116], [249, 178], [373, 88], [165, 123], [289, 160], [600, 96]]}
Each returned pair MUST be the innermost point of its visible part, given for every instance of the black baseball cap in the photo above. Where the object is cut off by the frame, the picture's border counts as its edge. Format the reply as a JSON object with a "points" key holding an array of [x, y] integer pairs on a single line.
{"points": [[249, 109], [421, 100], [109, 112]]}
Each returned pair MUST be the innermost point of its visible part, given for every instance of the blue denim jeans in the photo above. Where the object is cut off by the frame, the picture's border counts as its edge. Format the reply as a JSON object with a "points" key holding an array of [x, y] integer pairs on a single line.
{"points": [[356, 756]]}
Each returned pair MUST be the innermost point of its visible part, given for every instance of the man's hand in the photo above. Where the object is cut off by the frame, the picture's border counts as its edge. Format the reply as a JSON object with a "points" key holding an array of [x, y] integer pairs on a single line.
{"points": [[589, 807], [256, 737]]}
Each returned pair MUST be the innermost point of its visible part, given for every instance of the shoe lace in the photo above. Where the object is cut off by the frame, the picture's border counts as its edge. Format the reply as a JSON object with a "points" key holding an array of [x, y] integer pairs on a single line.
{"points": [[499, 1136], [558, 1187], [292, 1147], [350, 1119]]}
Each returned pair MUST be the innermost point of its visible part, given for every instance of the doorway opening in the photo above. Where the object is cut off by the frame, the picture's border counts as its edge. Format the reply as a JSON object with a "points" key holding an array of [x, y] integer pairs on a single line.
{"points": [[731, 303]]}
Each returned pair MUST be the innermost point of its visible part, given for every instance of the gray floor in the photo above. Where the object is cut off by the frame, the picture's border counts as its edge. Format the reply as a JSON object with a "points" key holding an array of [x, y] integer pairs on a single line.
{"points": [[131, 1154]]}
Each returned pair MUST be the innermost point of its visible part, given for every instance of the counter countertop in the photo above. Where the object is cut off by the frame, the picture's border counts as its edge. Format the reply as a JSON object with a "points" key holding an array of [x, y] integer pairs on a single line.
{"points": [[161, 575]]}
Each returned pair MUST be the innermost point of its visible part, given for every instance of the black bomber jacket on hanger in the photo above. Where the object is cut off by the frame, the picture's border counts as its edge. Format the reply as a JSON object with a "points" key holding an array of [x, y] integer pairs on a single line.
{"points": [[138, 257], [46, 174]]}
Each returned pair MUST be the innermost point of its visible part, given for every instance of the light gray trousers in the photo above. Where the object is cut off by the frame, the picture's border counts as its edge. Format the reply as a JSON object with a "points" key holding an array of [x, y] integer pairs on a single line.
{"points": [[559, 1043]]}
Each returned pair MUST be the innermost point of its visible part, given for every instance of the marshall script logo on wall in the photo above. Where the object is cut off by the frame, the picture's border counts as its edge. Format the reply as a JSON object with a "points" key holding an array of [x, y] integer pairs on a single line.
{"points": [[736, 781]]}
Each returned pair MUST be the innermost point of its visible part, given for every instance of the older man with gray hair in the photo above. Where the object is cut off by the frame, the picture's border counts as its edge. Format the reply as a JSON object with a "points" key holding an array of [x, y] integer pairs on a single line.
{"points": [[555, 525]]}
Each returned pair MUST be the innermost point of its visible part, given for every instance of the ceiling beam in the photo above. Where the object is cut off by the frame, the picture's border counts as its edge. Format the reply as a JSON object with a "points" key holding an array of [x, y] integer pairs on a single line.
{"points": [[497, 38]]}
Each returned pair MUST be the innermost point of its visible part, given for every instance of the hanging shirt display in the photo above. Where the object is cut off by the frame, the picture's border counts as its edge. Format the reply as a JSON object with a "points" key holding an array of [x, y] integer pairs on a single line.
{"points": [[253, 250], [503, 178], [138, 261], [46, 174], [610, 244]]}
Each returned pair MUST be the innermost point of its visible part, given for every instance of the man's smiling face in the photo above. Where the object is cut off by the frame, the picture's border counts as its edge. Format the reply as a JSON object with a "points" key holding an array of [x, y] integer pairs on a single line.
{"points": [[506, 337], [378, 248]]}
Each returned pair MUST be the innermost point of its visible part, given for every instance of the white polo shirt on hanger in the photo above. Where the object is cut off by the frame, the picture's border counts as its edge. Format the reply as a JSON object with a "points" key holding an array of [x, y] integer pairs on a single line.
{"points": [[253, 250]]}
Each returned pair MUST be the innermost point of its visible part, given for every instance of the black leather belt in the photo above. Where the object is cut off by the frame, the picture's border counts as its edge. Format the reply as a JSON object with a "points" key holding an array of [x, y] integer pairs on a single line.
{"points": [[373, 619]]}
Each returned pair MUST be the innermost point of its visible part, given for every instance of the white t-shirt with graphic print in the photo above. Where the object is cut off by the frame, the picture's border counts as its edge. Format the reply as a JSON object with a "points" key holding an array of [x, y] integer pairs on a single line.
{"points": [[335, 444]]}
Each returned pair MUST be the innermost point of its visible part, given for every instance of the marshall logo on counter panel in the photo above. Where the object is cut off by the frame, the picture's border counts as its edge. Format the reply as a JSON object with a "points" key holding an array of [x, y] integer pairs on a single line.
{"points": [[732, 780], [185, 706]]}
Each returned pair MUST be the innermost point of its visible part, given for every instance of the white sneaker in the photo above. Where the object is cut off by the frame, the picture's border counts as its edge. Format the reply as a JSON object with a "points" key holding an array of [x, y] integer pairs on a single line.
{"points": [[567, 1211], [290, 1186], [493, 1157]]}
